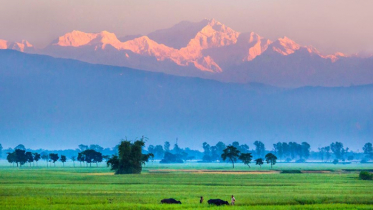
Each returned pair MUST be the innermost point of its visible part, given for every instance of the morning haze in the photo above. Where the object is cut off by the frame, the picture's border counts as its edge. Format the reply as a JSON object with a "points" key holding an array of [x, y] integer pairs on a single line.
{"points": [[330, 26], [186, 104]]}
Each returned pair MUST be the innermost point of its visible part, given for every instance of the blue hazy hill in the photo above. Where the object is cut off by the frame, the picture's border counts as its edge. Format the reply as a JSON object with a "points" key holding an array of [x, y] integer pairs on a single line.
{"points": [[59, 103]]}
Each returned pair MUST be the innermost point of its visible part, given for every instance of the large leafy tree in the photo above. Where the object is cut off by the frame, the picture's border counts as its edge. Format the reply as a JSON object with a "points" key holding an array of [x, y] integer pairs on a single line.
{"points": [[271, 158], [246, 158], [231, 154], [18, 156], [130, 158]]}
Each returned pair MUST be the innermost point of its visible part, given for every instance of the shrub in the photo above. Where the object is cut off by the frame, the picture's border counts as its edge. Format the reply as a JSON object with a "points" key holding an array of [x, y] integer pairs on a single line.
{"points": [[364, 161], [335, 161], [365, 175], [291, 172]]}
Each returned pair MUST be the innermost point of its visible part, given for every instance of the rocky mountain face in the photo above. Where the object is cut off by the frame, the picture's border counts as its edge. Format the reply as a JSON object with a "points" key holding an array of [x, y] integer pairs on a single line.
{"points": [[209, 49]]}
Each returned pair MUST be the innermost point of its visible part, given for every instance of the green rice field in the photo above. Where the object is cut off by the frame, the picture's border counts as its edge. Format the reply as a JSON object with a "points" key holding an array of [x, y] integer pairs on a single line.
{"points": [[319, 186]]}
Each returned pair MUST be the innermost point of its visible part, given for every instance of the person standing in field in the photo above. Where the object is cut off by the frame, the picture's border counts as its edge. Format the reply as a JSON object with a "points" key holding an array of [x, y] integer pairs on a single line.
{"points": [[201, 200], [233, 200]]}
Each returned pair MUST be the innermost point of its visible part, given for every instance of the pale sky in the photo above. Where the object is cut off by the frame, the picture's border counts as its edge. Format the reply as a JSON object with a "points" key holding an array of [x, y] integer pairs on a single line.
{"points": [[328, 25]]}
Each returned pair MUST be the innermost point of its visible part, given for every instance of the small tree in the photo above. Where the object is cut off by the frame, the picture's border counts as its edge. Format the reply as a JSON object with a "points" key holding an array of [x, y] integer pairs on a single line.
{"points": [[271, 158], [259, 148], [368, 150], [12, 158], [80, 158], [337, 149], [167, 146], [335, 161], [246, 158], [230, 153], [327, 152], [73, 158], [54, 157], [259, 162], [90, 156], [29, 157], [63, 159], [36, 157], [45, 157]]}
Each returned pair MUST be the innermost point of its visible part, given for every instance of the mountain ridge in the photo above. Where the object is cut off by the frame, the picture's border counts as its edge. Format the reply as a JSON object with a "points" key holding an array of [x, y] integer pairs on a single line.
{"points": [[206, 49]]}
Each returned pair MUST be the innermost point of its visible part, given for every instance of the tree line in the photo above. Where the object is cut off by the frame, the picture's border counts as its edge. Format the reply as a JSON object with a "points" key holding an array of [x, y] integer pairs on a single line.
{"points": [[20, 157], [285, 151]]}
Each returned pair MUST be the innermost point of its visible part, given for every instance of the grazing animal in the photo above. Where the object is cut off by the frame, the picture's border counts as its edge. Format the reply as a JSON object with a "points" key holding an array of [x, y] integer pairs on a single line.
{"points": [[217, 202], [170, 201]]}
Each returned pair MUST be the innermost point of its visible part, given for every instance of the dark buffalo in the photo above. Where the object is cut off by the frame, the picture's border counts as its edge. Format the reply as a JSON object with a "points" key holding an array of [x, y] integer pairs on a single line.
{"points": [[170, 201], [217, 202]]}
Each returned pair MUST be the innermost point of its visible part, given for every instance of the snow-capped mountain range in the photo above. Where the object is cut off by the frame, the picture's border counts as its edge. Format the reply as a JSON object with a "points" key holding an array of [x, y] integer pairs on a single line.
{"points": [[209, 49]]}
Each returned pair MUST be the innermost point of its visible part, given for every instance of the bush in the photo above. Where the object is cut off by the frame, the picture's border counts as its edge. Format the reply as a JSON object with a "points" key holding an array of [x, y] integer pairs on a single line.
{"points": [[291, 172], [335, 161], [171, 158], [365, 175]]}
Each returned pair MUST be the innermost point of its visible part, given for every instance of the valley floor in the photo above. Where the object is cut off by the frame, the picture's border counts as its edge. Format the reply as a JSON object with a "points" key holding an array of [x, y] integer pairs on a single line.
{"points": [[320, 186]]}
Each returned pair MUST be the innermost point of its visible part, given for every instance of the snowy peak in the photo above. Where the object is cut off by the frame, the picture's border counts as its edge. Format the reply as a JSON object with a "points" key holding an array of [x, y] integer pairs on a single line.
{"points": [[284, 46], [213, 35], [334, 57], [145, 46], [207, 46], [75, 39], [3, 44], [20, 46], [255, 45], [78, 38]]}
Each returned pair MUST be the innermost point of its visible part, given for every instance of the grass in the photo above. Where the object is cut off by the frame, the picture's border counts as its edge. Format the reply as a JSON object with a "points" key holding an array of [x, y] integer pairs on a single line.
{"points": [[96, 188]]}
